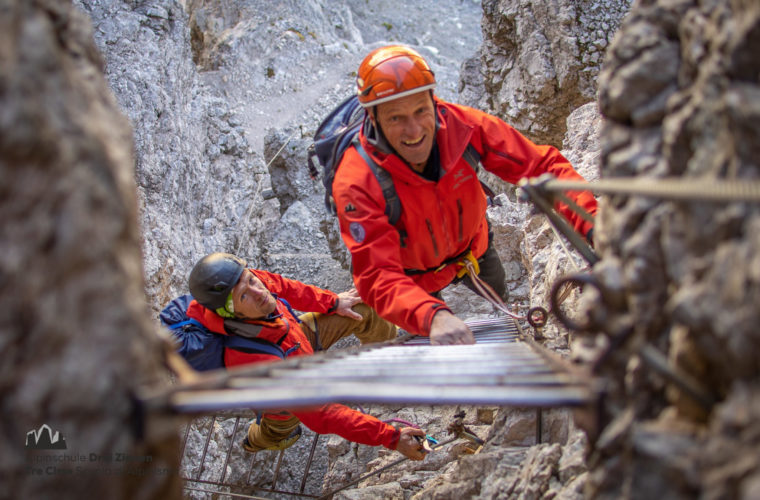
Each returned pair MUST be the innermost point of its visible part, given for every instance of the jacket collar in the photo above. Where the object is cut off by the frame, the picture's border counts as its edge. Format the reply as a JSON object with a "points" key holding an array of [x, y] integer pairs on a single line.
{"points": [[451, 136]]}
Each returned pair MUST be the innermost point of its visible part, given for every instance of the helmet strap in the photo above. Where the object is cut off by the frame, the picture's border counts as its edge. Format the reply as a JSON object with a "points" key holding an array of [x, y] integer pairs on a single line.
{"points": [[228, 310], [375, 136]]}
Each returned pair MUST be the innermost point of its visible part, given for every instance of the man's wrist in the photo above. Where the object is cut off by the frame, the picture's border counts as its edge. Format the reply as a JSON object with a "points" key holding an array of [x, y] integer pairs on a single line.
{"points": [[334, 306], [434, 309], [395, 438]]}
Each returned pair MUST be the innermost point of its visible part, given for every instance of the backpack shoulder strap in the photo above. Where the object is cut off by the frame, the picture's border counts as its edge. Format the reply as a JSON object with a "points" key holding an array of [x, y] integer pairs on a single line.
{"points": [[392, 202], [287, 304], [241, 328], [189, 321], [472, 157]]}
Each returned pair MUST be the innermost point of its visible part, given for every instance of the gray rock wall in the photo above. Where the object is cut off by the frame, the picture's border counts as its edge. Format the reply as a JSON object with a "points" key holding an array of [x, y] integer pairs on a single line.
{"points": [[199, 180], [77, 340], [680, 92], [540, 60], [204, 82], [222, 98]]}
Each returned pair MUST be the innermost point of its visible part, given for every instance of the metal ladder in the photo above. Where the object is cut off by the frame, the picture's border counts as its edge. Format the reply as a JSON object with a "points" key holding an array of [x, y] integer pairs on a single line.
{"points": [[503, 368]]}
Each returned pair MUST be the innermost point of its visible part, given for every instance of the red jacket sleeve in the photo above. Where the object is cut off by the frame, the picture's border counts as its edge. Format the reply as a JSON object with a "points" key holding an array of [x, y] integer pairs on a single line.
{"points": [[512, 156], [303, 297], [349, 424]]}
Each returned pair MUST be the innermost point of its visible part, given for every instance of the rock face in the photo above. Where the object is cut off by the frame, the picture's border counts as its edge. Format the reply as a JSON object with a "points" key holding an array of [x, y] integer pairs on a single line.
{"points": [[203, 82], [200, 183], [680, 91], [77, 340], [540, 60]]}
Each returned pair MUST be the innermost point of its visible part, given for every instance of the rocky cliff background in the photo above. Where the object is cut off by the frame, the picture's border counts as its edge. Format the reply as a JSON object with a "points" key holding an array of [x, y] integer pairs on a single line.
{"points": [[77, 342], [681, 96], [222, 97]]}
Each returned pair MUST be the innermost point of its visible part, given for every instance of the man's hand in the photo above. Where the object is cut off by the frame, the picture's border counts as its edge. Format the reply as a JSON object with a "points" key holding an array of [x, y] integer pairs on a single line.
{"points": [[447, 329], [347, 300], [408, 444]]}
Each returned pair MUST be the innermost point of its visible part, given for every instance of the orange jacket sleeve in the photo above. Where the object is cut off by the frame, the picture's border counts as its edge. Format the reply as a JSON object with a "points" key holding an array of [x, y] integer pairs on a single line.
{"points": [[349, 424], [302, 297], [512, 156]]}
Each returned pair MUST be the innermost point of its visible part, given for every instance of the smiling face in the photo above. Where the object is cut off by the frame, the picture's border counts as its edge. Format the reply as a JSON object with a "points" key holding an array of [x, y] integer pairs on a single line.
{"points": [[250, 297], [409, 126]]}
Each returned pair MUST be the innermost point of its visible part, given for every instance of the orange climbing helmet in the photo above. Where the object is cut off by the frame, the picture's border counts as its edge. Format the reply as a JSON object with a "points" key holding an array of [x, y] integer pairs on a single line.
{"points": [[392, 72]]}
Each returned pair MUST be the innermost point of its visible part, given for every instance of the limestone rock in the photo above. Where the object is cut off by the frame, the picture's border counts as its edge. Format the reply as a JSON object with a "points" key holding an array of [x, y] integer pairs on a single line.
{"points": [[540, 60], [77, 341]]}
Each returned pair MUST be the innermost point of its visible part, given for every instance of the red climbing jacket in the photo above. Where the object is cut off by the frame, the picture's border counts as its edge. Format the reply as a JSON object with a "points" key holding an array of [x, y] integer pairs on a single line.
{"points": [[439, 220], [327, 419]]}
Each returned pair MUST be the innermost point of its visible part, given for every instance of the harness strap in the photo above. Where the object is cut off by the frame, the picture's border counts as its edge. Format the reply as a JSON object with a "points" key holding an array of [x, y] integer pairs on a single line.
{"points": [[254, 346], [241, 328], [457, 258], [287, 304], [293, 349]]}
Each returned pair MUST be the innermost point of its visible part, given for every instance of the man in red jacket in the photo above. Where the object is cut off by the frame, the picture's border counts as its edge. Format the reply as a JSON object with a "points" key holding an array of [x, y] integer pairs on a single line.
{"points": [[233, 299], [420, 141]]}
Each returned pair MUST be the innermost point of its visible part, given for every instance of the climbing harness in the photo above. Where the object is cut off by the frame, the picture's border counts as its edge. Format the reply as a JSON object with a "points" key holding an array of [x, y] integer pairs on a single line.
{"points": [[536, 317], [469, 265], [535, 191]]}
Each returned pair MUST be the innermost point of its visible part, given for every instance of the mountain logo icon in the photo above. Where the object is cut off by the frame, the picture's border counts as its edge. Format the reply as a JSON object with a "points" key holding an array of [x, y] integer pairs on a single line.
{"points": [[44, 439]]}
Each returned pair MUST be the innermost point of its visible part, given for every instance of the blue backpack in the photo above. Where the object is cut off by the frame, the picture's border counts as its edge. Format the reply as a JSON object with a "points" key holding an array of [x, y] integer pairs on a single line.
{"points": [[339, 131], [204, 349]]}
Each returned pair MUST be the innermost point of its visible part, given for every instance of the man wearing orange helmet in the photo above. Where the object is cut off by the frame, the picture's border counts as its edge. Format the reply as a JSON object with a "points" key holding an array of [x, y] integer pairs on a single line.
{"points": [[420, 141]]}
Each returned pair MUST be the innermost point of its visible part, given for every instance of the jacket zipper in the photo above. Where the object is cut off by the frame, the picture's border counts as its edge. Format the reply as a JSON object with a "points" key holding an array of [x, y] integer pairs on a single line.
{"points": [[461, 222], [506, 155], [432, 236], [445, 227]]}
